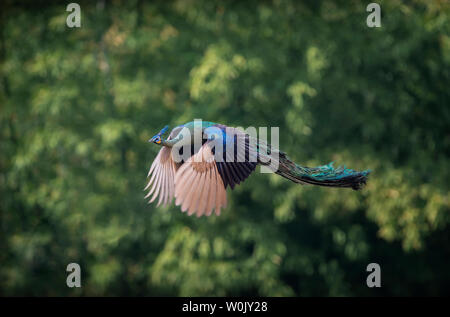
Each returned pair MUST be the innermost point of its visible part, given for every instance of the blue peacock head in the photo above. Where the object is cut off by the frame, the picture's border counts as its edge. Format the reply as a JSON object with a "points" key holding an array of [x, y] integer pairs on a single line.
{"points": [[157, 138]]}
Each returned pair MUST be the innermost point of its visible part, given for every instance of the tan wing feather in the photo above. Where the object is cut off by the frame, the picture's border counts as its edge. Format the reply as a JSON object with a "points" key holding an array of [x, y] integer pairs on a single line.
{"points": [[162, 173], [212, 194], [206, 189], [198, 186]]}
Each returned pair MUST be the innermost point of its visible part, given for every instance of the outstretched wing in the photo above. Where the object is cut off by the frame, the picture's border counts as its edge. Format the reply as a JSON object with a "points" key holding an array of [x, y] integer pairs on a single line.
{"points": [[198, 185], [239, 157], [162, 179]]}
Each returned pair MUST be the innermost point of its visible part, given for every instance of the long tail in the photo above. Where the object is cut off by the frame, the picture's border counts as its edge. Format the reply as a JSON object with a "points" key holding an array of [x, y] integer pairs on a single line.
{"points": [[325, 175]]}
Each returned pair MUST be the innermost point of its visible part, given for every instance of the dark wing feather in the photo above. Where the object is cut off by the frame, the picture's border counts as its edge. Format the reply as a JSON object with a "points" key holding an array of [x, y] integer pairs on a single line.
{"points": [[235, 166]]}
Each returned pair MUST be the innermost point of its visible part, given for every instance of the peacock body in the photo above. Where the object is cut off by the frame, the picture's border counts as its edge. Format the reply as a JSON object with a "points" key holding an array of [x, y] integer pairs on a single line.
{"points": [[200, 159]]}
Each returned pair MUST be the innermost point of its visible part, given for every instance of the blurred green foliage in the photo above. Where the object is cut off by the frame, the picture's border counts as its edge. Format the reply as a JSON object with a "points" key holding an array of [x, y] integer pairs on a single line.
{"points": [[78, 105]]}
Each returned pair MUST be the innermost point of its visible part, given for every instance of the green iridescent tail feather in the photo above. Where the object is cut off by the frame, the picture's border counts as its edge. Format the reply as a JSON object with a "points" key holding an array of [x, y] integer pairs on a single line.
{"points": [[325, 175]]}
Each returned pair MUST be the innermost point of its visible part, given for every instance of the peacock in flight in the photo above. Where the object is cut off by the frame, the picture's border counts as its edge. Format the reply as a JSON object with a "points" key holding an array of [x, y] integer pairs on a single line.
{"points": [[200, 159]]}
